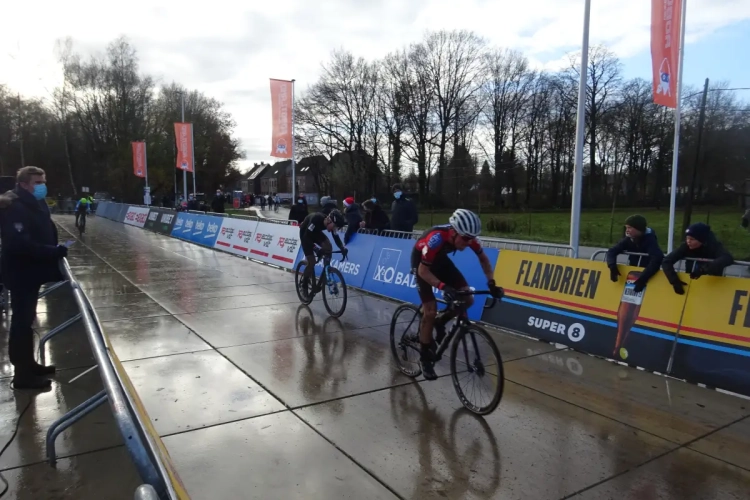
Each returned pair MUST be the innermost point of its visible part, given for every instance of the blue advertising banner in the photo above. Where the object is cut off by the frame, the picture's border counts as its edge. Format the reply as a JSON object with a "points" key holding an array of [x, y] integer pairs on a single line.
{"points": [[183, 226], [354, 268], [101, 207], [123, 209], [205, 230], [389, 272]]}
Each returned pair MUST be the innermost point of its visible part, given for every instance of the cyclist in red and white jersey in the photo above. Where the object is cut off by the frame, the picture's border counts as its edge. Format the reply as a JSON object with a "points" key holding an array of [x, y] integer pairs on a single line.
{"points": [[435, 269]]}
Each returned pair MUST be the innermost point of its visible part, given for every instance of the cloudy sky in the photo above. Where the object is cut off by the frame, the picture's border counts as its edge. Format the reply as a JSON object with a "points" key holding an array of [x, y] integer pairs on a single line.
{"points": [[229, 49]]}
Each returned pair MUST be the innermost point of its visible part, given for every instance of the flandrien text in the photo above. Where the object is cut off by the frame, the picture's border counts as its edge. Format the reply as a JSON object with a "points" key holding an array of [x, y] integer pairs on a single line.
{"points": [[567, 280]]}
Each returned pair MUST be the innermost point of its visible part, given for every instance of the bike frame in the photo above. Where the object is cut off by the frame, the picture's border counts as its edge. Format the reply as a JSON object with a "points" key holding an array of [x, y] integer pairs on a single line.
{"points": [[326, 258], [462, 323]]}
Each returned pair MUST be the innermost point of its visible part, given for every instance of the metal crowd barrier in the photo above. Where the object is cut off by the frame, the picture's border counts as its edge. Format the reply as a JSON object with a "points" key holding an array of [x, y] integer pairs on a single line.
{"points": [[140, 444], [735, 270]]}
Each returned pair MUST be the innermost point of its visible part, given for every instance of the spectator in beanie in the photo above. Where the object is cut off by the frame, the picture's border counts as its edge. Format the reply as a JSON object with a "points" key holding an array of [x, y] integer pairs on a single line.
{"points": [[700, 243], [375, 217], [353, 218], [327, 205], [298, 211], [403, 211], [639, 238]]}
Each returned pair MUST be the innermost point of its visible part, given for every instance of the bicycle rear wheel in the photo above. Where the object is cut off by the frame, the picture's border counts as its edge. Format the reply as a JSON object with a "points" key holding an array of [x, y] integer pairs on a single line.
{"points": [[405, 339], [477, 370], [334, 289], [305, 296]]}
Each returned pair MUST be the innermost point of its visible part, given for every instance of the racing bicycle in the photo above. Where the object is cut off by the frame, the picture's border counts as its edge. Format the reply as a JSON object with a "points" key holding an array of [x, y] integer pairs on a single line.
{"points": [[466, 360], [331, 283], [81, 224]]}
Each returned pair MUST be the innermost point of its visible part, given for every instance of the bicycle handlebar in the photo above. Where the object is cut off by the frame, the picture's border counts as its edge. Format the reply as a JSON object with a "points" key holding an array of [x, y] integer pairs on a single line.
{"points": [[465, 293]]}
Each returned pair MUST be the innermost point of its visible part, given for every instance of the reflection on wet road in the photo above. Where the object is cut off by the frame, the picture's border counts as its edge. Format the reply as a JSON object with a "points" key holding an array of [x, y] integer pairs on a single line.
{"points": [[257, 396]]}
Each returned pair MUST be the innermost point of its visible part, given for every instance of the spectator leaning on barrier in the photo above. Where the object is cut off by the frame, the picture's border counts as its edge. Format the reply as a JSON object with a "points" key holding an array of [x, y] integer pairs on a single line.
{"points": [[298, 211], [403, 211], [700, 243], [30, 257], [353, 218], [375, 217], [327, 205], [639, 238]]}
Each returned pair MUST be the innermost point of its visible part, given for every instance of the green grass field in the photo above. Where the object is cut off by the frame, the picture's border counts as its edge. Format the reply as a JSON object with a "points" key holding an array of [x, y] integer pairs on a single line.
{"points": [[595, 231]]}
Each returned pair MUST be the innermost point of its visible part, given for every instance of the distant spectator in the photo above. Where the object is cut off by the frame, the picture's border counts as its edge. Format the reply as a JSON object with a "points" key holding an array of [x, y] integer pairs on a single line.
{"points": [[303, 198], [700, 243], [639, 238], [403, 211], [353, 218], [746, 219], [327, 204], [375, 217], [298, 211], [217, 204]]}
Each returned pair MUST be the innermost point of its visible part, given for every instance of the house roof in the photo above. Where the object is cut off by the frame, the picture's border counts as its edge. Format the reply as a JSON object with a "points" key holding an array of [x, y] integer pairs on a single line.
{"points": [[257, 171]]}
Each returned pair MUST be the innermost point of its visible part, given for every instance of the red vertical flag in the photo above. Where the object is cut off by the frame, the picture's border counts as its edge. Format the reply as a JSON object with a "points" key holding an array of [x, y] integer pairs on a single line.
{"points": [[139, 159], [666, 20], [183, 133], [281, 105]]}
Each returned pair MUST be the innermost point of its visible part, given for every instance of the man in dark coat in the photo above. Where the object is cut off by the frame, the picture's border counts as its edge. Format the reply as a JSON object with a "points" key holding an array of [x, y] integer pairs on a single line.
{"points": [[639, 238], [298, 211], [700, 243], [30, 258], [403, 211]]}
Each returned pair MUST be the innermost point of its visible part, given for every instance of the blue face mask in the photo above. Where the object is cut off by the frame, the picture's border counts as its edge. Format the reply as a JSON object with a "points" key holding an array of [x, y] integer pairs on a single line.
{"points": [[397, 194], [373, 200], [40, 191]]}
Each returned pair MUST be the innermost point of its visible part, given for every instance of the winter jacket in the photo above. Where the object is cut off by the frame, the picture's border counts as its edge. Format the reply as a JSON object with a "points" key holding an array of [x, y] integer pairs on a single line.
{"points": [[353, 218], [298, 212], [30, 255], [711, 249], [403, 215], [646, 243], [377, 219]]}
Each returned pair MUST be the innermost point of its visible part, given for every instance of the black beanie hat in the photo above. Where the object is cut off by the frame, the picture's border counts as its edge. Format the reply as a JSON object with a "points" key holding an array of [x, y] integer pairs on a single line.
{"points": [[699, 231], [638, 222]]}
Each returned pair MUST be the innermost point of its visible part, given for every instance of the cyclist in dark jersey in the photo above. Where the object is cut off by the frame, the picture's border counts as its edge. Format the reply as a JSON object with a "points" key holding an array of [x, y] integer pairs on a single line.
{"points": [[312, 232], [435, 269]]}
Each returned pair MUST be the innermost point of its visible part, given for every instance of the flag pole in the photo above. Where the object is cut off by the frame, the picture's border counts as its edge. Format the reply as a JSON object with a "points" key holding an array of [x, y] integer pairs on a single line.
{"points": [[145, 161], [676, 147], [575, 203], [294, 174]]}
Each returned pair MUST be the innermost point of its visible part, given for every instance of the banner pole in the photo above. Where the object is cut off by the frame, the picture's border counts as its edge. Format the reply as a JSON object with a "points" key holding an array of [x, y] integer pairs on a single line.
{"points": [[192, 144], [294, 173], [145, 162], [676, 147], [575, 202], [184, 171]]}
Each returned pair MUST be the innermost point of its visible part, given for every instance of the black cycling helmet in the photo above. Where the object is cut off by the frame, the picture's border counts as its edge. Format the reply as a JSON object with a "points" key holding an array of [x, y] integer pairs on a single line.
{"points": [[337, 218]]}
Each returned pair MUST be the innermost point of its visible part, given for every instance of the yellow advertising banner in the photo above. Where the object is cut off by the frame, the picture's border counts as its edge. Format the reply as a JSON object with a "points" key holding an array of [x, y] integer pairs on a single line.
{"points": [[584, 286], [718, 310], [575, 302]]}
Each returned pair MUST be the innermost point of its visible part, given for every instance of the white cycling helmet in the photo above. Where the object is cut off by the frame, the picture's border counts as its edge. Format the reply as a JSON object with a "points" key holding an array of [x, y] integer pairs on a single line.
{"points": [[466, 223]]}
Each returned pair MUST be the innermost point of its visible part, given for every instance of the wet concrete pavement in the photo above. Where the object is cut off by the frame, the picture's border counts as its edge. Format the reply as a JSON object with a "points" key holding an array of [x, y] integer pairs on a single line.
{"points": [[256, 396]]}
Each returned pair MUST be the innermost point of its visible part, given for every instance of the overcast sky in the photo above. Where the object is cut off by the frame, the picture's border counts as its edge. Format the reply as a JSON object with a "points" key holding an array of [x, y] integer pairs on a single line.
{"points": [[229, 49]]}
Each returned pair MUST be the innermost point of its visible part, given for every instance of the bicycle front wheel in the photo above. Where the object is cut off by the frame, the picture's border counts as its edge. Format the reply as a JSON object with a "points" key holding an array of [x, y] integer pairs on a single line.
{"points": [[477, 370], [334, 293], [305, 296]]}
